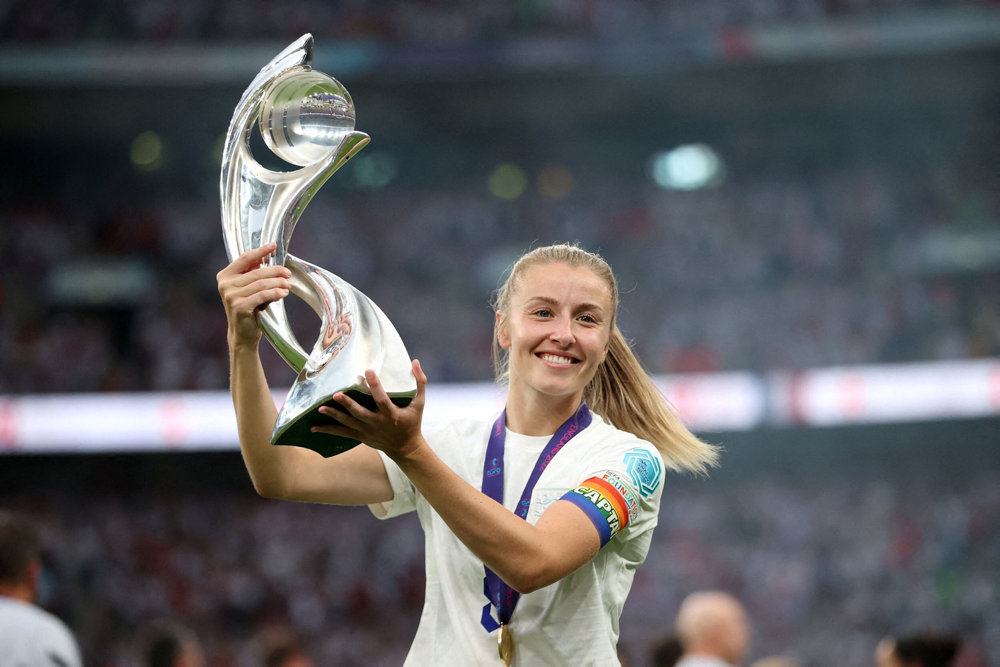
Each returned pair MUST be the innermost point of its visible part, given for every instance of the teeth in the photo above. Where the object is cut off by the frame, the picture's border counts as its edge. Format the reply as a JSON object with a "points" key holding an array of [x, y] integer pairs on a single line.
{"points": [[557, 359]]}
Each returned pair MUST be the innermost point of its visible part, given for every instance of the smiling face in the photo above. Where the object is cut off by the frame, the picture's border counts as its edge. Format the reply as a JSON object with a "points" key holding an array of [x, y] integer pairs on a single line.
{"points": [[556, 330]]}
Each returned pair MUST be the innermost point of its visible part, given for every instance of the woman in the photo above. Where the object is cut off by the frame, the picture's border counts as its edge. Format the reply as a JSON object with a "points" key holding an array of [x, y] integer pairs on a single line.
{"points": [[534, 523]]}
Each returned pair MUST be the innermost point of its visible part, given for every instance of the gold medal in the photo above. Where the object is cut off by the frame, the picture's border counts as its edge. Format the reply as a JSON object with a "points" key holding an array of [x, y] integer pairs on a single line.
{"points": [[505, 642]]}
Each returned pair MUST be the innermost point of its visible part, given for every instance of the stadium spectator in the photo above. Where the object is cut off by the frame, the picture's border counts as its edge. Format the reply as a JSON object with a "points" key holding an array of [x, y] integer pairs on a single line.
{"points": [[168, 643], [919, 649], [713, 629], [29, 635]]}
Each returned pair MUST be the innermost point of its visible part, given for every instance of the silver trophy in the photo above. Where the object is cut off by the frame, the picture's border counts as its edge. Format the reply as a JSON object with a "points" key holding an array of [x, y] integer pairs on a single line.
{"points": [[307, 119]]}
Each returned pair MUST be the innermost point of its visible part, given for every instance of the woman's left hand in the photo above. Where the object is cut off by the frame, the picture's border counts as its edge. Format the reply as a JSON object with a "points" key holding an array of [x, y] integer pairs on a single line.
{"points": [[390, 428]]}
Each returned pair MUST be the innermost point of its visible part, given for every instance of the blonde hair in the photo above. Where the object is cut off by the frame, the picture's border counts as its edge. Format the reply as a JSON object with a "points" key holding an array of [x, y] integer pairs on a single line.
{"points": [[621, 390]]}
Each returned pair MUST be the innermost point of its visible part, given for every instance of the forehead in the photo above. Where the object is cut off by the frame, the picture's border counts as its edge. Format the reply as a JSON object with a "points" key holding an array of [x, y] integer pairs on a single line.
{"points": [[557, 281]]}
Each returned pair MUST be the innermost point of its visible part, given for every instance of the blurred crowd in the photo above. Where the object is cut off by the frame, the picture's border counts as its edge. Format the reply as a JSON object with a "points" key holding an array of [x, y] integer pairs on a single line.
{"points": [[107, 283], [433, 23], [770, 272], [825, 564], [884, 250]]}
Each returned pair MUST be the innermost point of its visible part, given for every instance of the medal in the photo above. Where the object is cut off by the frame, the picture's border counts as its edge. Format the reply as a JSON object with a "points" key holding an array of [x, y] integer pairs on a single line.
{"points": [[505, 642]]}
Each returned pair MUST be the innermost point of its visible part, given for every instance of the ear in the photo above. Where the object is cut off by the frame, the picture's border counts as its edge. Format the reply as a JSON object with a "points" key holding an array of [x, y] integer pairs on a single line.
{"points": [[501, 328]]}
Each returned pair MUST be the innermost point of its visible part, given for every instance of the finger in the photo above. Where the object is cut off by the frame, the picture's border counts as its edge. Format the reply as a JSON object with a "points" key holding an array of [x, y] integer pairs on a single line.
{"points": [[421, 378], [262, 284], [418, 374], [353, 413], [237, 275], [258, 274], [333, 413], [266, 298], [335, 428], [250, 259], [251, 297], [379, 395], [229, 282]]}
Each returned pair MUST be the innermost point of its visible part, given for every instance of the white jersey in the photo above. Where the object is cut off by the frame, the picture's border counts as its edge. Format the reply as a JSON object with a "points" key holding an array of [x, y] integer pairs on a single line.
{"points": [[32, 637], [702, 661], [614, 476]]}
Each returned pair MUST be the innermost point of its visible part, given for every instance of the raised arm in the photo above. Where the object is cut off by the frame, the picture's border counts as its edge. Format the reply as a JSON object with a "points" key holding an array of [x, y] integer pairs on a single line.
{"points": [[355, 477], [525, 556]]}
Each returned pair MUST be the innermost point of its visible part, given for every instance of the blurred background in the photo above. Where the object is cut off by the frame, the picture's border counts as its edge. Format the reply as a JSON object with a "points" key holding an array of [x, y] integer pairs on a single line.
{"points": [[800, 198]]}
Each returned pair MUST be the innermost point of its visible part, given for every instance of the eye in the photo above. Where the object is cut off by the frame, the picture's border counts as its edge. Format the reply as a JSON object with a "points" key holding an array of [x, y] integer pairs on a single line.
{"points": [[543, 312], [588, 319]]}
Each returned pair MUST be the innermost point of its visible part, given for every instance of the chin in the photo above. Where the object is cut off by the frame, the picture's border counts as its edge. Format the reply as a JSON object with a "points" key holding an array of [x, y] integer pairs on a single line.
{"points": [[561, 392]]}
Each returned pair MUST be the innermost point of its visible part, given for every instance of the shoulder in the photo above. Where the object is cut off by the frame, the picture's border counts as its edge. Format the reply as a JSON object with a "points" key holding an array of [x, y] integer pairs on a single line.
{"points": [[618, 443], [701, 661], [600, 427], [626, 455], [36, 627], [30, 615], [458, 429], [466, 434], [460, 442]]}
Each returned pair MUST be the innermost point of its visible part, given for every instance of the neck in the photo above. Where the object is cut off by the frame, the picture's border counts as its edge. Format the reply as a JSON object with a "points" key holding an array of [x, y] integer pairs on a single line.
{"points": [[17, 591], [539, 417]]}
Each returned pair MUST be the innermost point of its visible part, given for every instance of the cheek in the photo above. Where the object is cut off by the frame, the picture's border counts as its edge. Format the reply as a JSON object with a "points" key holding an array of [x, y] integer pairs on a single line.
{"points": [[521, 335]]}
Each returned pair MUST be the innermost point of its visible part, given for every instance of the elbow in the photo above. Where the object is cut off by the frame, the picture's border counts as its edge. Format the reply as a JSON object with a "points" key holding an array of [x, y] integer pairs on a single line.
{"points": [[528, 586], [271, 482], [532, 577], [270, 489], [537, 568], [265, 491]]}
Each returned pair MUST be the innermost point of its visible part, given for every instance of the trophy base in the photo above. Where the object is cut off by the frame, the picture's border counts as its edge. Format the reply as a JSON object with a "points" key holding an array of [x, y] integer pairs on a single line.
{"points": [[299, 434]]}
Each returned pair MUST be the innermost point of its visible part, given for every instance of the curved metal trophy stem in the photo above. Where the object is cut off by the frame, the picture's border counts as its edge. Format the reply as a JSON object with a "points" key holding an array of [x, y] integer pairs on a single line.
{"points": [[261, 206]]}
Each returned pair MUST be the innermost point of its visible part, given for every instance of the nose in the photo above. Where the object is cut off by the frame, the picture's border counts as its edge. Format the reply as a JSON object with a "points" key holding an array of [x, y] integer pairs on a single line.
{"points": [[562, 332]]}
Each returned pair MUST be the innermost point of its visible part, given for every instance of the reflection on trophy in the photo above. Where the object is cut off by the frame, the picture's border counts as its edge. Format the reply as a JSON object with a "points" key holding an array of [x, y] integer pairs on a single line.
{"points": [[307, 119]]}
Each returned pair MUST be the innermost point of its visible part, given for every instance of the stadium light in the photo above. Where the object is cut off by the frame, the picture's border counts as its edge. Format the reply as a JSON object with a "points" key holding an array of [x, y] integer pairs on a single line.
{"points": [[687, 167]]}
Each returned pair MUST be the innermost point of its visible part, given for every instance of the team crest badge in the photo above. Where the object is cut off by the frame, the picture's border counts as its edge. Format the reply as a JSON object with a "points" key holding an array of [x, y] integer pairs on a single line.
{"points": [[644, 470]]}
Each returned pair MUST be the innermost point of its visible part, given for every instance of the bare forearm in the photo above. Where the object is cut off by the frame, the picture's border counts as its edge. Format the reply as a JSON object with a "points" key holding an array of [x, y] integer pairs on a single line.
{"points": [[255, 419], [526, 556], [356, 477], [295, 473]]}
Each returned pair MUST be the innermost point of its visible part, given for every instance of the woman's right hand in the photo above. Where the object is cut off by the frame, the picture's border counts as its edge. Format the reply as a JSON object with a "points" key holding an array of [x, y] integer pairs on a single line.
{"points": [[246, 286]]}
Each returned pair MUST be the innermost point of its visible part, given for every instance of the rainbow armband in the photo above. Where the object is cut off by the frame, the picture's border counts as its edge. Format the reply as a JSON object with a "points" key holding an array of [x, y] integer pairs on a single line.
{"points": [[607, 502]]}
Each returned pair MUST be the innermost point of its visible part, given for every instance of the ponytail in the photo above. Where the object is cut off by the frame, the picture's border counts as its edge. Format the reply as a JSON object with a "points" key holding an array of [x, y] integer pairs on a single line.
{"points": [[624, 394]]}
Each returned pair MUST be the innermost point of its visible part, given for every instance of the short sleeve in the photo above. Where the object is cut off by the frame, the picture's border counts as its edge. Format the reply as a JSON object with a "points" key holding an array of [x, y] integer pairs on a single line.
{"points": [[404, 494], [461, 445], [625, 491]]}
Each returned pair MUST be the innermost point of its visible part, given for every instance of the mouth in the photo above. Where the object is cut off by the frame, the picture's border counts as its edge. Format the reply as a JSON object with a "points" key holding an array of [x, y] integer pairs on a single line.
{"points": [[557, 358]]}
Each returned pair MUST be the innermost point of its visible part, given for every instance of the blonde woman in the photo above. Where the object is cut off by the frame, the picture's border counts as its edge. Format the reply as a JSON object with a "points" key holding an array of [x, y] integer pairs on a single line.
{"points": [[534, 523]]}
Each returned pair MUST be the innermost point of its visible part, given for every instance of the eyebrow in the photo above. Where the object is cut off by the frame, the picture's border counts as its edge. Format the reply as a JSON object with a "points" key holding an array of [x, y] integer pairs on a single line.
{"points": [[553, 302]]}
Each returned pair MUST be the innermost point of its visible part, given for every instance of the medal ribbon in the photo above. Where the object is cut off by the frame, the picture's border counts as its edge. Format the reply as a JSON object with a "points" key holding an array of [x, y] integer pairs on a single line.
{"points": [[503, 597]]}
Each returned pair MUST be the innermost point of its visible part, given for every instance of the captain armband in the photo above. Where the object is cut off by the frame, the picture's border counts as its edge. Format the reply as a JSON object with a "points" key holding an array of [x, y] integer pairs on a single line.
{"points": [[607, 501]]}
